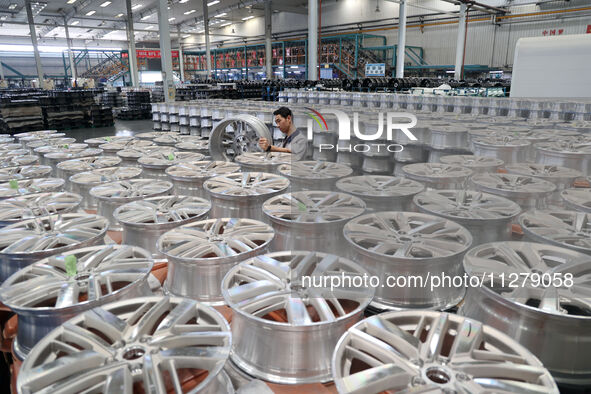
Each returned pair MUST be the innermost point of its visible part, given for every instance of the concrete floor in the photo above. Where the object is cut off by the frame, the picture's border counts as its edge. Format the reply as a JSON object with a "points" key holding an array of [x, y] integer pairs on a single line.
{"points": [[121, 127]]}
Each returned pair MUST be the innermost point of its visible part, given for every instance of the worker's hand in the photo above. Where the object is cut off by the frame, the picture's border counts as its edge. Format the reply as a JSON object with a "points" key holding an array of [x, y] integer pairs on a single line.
{"points": [[263, 143]]}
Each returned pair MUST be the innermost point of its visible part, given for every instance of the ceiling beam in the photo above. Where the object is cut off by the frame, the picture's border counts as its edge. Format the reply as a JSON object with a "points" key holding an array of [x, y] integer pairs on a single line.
{"points": [[286, 8]]}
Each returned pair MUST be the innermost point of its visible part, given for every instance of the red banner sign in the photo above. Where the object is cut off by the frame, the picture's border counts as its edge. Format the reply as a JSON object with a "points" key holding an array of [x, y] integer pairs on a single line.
{"points": [[150, 53], [553, 32], [589, 29]]}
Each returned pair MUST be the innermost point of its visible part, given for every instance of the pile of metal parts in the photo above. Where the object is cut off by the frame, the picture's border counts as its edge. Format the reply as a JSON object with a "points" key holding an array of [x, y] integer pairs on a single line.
{"points": [[186, 260]]}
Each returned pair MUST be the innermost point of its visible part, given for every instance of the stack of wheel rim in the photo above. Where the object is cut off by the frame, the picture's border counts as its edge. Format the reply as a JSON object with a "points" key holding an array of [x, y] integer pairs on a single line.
{"points": [[438, 175], [31, 146], [188, 178], [273, 306], [17, 161], [27, 241], [478, 164], [95, 142], [44, 150], [241, 194], [314, 175], [82, 182], [177, 338], [67, 168], [553, 320], [508, 149], [155, 163], [312, 220], [144, 221], [54, 158], [14, 210], [114, 194], [15, 188], [46, 294], [262, 161], [112, 148], [527, 191], [130, 156], [381, 193], [562, 177], [576, 155], [408, 244], [486, 216], [24, 172], [433, 351], [199, 254]]}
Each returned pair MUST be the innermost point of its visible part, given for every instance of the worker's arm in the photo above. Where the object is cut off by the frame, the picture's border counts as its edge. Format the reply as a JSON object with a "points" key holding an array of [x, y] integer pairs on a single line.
{"points": [[264, 144]]}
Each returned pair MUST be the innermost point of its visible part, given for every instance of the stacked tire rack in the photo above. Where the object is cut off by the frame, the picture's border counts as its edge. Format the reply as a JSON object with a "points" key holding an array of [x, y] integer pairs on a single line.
{"points": [[138, 106], [112, 98], [101, 116], [64, 110], [194, 267]]}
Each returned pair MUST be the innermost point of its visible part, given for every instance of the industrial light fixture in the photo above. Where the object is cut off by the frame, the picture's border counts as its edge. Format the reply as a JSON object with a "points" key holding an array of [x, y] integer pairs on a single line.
{"points": [[119, 15], [135, 7], [183, 1], [75, 23], [37, 7], [146, 17], [189, 12], [221, 15], [225, 24], [247, 18], [186, 36], [171, 19], [90, 13], [214, 2], [12, 6], [71, 1], [105, 4], [3, 18]]}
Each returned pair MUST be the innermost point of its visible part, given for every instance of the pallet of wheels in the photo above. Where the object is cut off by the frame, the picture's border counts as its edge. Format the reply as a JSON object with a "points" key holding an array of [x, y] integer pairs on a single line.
{"points": [[158, 95], [101, 116], [129, 113], [138, 98], [20, 113], [112, 99]]}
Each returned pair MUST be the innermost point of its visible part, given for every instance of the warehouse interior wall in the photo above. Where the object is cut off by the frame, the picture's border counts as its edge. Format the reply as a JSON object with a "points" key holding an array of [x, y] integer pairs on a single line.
{"points": [[490, 42]]}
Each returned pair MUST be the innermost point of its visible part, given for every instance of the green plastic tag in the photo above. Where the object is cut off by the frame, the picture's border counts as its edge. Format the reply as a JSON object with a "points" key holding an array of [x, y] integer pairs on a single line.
{"points": [[302, 206], [66, 146], [71, 269], [13, 184], [170, 156], [108, 139]]}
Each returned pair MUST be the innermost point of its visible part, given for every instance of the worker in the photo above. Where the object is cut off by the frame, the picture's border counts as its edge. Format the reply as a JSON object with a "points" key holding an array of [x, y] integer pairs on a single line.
{"points": [[295, 141]]}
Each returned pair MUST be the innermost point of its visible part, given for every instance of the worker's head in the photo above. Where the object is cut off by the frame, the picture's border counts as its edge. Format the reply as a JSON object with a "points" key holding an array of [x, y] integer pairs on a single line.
{"points": [[283, 119]]}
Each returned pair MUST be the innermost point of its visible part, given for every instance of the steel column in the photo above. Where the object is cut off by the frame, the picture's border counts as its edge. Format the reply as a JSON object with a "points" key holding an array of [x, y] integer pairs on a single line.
{"points": [[181, 60], [70, 55], [34, 42], [132, 54], [165, 51], [313, 40], [268, 46], [401, 39], [207, 46], [460, 43]]}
